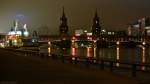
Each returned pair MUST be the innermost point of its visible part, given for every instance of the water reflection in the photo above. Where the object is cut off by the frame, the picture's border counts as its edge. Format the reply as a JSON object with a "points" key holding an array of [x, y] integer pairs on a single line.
{"points": [[49, 51], [73, 51], [95, 53], [88, 52], [143, 58], [118, 53], [118, 56]]}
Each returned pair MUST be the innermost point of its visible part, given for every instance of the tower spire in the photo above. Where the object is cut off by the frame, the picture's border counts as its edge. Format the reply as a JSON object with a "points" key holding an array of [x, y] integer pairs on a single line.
{"points": [[63, 14], [96, 13], [63, 11], [96, 28], [96, 18], [63, 28]]}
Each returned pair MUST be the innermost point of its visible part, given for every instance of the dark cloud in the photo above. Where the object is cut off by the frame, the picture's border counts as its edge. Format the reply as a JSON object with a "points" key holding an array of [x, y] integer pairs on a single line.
{"points": [[114, 14]]}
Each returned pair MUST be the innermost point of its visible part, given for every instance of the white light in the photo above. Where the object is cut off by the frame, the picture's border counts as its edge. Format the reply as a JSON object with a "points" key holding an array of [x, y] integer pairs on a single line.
{"points": [[89, 34], [77, 34], [103, 30], [33, 40], [85, 31], [15, 41], [49, 43], [26, 33], [18, 32], [144, 43], [118, 42], [11, 33]]}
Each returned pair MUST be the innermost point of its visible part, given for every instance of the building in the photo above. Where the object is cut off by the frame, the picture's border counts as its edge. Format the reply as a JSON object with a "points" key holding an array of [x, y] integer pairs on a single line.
{"points": [[140, 27], [16, 34], [96, 28], [63, 28]]}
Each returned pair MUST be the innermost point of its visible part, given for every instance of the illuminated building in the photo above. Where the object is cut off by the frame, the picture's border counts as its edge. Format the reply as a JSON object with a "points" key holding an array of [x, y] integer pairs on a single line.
{"points": [[16, 34], [140, 28]]}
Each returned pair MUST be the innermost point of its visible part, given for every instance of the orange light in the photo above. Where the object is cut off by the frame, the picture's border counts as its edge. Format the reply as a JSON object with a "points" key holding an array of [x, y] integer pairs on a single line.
{"points": [[73, 51], [143, 58], [88, 52], [49, 51], [118, 56], [94, 52]]}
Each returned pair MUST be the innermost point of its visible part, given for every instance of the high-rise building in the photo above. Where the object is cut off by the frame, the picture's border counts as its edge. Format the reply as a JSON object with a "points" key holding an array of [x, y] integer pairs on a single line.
{"points": [[96, 28], [63, 28]]}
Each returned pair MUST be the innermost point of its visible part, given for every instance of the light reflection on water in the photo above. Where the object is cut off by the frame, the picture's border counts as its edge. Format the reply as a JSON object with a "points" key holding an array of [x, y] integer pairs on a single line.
{"points": [[143, 58], [49, 51], [94, 52], [133, 55], [118, 56]]}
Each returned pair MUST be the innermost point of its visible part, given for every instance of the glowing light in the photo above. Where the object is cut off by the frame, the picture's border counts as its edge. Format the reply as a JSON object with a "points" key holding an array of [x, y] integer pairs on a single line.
{"points": [[49, 43], [88, 52], [64, 38], [73, 58], [49, 51], [18, 32], [15, 41], [118, 56], [11, 33], [2, 45], [94, 52], [25, 27], [143, 58], [73, 38], [26, 33], [94, 41], [72, 41], [118, 43], [64, 48], [103, 30], [85, 31], [73, 51], [144, 43]]}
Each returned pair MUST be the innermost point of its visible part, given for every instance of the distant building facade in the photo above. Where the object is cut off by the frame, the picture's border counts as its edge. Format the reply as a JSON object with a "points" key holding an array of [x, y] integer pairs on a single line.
{"points": [[140, 28]]}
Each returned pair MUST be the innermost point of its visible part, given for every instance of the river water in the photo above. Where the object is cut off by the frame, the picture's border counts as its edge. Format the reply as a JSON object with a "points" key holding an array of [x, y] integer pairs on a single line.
{"points": [[140, 55], [137, 54]]}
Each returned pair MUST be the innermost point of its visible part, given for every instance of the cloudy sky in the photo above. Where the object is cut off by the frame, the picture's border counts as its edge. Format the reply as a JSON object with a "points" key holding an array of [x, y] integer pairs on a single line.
{"points": [[38, 14]]}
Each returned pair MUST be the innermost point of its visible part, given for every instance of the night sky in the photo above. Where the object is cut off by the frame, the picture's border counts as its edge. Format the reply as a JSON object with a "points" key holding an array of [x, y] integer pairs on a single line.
{"points": [[38, 14]]}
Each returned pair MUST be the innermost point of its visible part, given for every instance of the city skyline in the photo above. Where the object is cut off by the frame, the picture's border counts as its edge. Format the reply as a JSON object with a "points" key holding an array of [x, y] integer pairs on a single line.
{"points": [[114, 15]]}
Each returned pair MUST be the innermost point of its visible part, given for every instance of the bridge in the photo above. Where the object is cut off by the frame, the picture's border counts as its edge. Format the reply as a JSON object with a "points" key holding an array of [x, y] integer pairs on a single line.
{"points": [[108, 38]]}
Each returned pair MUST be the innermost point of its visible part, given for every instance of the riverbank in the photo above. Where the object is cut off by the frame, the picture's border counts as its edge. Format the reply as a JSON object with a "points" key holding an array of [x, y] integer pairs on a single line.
{"points": [[30, 70]]}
